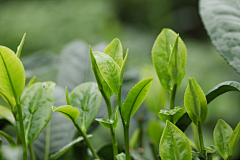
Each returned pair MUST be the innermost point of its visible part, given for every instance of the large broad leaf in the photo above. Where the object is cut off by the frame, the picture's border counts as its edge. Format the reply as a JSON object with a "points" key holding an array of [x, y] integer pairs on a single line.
{"points": [[109, 70], [134, 99], [221, 18], [234, 139], [161, 52], [37, 102], [174, 144], [86, 98], [12, 72], [222, 133], [7, 114], [195, 102]]}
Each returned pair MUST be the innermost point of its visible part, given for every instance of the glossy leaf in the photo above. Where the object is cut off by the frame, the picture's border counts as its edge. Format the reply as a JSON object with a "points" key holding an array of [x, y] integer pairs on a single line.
{"points": [[114, 50], [173, 114], [68, 111], [174, 144], [7, 114], [12, 72], [222, 133], [221, 20], [66, 148], [161, 52], [154, 131], [234, 139], [37, 102], [109, 70], [8, 138], [19, 49], [134, 138], [102, 84], [112, 121], [121, 156], [134, 99], [86, 98], [195, 102]]}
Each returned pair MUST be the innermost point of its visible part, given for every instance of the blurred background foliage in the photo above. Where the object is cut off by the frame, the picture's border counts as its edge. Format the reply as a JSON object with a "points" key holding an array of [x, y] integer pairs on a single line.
{"points": [[59, 32]]}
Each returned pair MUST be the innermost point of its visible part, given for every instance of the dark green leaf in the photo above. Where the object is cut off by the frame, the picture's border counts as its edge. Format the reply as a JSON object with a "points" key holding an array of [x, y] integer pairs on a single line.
{"points": [[134, 99], [105, 151], [173, 114], [161, 52], [6, 113], [174, 144], [183, 122], [86, 98], [221, 20], [154, 131], [8, 138], [234, 139], [68, 111], [37, 102], [19, 49]]}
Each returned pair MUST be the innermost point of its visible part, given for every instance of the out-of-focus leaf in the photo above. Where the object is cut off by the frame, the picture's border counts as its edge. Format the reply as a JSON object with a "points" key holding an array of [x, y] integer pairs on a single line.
{"points": [[86, 98], [134, 138], [8, 138], [161, 52], [112, 121], [12, 152], [6, 113], [134, 99], [137, 156], [105, 151], [221, 20], [154, 131], [19, 49], [234, 139], [121, 156], [32, 80], [173, 114], [174, 144], [37, 102], [68, 111]]}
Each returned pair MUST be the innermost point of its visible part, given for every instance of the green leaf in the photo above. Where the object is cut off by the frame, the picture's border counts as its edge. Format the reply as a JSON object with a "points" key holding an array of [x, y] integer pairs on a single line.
{"points": [[112, 121], [121, 156], [102, 85], [174, 144], [221, 134], [134, 99], [67, 97], [86, 98], [12, 72], [31, 82], [161, 52], [211, 149], [37, 102], [8, 98], [66, 148], [105, 151], [134, 138], [183, 122], [195, 153], [12, 152], [109, 70], [19, 49], [123, 68], [234, 139], [154, 131], [173, 114], [114, 50], [8, 138], [7, 114], [220, 18], [195, 102], [68, 111]]}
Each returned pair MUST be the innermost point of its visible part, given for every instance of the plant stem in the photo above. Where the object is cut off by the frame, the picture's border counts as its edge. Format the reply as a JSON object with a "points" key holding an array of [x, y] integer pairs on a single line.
{"points": [[87, 141], [1, 155], [172, 96], [47, 142], [201, 139], [126, 141], [140, 125], [209, 156], [32, 154], [154, 153]]}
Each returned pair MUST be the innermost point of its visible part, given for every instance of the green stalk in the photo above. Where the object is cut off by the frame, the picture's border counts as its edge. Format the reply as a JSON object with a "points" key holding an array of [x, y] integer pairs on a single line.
{"points": [[1, 155], [154, 153], [140, 125], [172, 96], [32, 154], [126, 141], [209, 156], [87, 141], [201, 139], [47, 143]]}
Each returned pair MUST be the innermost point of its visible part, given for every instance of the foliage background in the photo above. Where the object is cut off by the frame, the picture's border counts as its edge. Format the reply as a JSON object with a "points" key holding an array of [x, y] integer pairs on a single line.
{"points": [[50, 25]]}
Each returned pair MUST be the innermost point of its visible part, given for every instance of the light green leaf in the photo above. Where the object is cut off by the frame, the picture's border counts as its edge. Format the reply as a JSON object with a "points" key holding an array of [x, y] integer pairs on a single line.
{"points": [[174, 144], [154, 131], [19, 49], [8, 138], [7, 114], [173, 114], [31, 82], [68, 111], [114, 50], [12, 152], [8, 98], [134, 138], [37, 102], [195, 102], [221, 20], [109, 70], [112, 121], [102, 85], [134, 99], [161, 52], [12, 72], [67, 97], [121, 156], [234, 139], [221, 134], [86, 98]]}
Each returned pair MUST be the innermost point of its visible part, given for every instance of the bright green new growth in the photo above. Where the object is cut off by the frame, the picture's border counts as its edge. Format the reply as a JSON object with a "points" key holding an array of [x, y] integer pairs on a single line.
{"points": [[134, 99], [68, 111], [19, 49], [164, 63], [174, 144], [195, 102]]}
